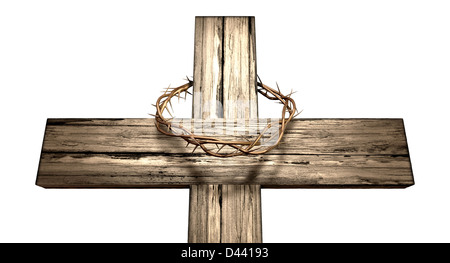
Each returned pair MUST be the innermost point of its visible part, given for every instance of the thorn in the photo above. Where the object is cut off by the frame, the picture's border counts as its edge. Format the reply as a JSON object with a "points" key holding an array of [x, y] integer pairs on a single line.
{"points": [[292, 92], [166, 90], [278, 87], [188, 79], [194, 148], [298, 113], [169, 113], [260, 81], [217, 145], [170, 103], [178, 95]]}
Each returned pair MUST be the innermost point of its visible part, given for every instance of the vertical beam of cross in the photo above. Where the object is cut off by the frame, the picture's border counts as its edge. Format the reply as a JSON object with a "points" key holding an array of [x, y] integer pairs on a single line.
{"points": [[225, 87]]}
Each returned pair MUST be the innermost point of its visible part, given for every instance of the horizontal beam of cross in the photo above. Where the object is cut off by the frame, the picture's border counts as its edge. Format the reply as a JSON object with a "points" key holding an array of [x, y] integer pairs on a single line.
{"points": [[314, 153]]}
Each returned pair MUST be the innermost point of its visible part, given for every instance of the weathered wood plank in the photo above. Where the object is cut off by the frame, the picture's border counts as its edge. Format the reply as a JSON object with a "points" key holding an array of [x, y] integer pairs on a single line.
{"points": [[313, 153], [241, 214], [208, 64], [239, 68], [225, 86], [303, 136], [205, 213], [84, 170]]}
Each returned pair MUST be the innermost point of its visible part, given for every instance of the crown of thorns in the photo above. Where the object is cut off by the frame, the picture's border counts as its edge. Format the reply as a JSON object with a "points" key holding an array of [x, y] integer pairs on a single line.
{"points": [[215, 146]]}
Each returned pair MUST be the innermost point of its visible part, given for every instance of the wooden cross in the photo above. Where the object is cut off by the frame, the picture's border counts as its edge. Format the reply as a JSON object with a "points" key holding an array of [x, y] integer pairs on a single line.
{"points": [[225, 193]]}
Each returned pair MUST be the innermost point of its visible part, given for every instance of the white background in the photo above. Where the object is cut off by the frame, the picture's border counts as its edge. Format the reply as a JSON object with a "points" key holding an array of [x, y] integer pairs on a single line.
{"points": [[112, 58]]}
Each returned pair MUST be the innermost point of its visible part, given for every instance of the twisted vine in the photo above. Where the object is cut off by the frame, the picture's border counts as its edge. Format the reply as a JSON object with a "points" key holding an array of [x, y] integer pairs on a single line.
{"points": [[239, 147]]}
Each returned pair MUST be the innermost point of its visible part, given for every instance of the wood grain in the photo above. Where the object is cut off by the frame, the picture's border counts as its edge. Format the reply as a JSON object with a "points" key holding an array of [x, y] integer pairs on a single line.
{"points": [[208, 68], [225, 86], [303, 136], [239, 68], [314, 153], [205, 214]]}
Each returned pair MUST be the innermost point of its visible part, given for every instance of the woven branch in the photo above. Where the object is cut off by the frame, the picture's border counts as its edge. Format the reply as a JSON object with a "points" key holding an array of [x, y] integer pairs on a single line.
{"points": [[237, 147]]}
